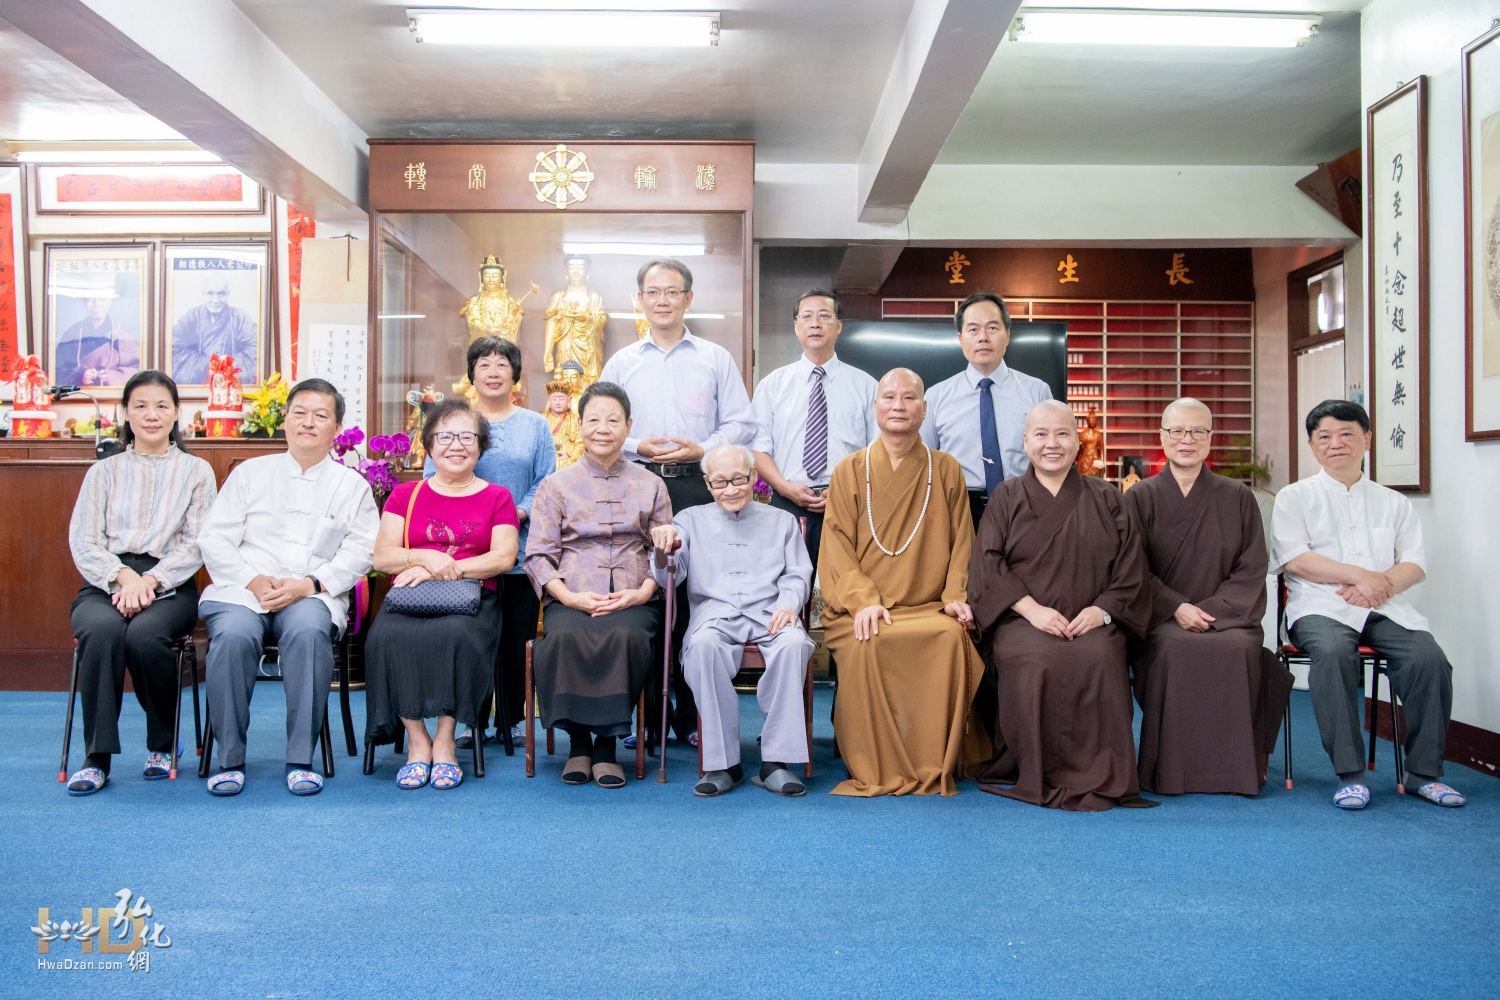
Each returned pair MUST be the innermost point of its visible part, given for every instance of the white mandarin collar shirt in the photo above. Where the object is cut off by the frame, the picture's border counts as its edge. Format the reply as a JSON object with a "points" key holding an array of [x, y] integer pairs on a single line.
{"points": [[781, 403], [952, 423], [1365, 525], [273, 519], [692, 390], [748, 563]]}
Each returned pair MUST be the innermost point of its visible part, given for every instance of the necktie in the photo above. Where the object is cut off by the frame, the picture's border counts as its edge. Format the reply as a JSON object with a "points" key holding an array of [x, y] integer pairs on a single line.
{"points": [[989, 438], [815, 445]]}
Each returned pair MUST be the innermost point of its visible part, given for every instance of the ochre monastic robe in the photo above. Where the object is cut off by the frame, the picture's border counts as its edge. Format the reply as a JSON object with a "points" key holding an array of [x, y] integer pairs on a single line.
{"points": [[1211, 702], [903, 695], [1064, 737]]}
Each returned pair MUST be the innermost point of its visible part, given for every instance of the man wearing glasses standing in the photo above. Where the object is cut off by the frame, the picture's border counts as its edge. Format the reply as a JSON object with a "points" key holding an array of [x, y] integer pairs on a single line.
{"points": [[1211, 694], [687, 398], [810, 414], [978, 416]]}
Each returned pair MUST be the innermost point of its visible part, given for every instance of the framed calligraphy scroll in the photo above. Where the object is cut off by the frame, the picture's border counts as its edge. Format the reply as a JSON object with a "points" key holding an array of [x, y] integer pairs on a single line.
{"points": [[1396, 265], [14, 291], [155, 189], [1480, 76]]}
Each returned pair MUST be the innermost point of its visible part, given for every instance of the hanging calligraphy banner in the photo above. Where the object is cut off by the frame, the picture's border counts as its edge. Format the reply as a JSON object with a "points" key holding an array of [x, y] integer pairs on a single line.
{"points": [[1396, 260], [13, 296], [1480, 79]]}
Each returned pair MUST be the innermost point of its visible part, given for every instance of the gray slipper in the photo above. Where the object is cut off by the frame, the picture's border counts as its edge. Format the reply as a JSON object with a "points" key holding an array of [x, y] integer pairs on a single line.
{"points": [[781, 782], [714, 783]]}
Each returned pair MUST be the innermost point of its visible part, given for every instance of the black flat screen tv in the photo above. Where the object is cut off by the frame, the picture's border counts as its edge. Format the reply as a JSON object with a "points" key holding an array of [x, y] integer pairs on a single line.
{"points": [[930, 348]]}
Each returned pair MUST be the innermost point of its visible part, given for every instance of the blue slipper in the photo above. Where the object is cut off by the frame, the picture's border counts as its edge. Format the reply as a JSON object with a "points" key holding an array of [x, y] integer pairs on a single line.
{"points": [[417, 769], [301, 782], [227, 783], [1355, 796], [446, 776], [87, 781], [158, 765], [1440, 794]]}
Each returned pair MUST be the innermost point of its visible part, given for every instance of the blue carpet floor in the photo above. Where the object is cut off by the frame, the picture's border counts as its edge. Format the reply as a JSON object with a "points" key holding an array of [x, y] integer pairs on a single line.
{"points": [[514, 888]]}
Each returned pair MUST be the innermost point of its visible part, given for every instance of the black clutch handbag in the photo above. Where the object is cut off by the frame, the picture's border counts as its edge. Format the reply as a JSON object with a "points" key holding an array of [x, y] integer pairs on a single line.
{"points": [[432, 598]]}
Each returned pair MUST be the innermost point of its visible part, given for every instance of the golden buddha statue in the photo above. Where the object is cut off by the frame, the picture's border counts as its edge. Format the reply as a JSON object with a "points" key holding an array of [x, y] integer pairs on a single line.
{"points": [[491, 311], [575, 324], [562, 414], [642, 324]]}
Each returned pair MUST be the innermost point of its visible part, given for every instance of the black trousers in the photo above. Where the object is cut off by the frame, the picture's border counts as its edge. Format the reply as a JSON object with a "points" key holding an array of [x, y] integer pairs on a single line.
{"points": [[814, 523], [109, 644], [986, 705], [684, 492], [978, 500], [519, 607]]}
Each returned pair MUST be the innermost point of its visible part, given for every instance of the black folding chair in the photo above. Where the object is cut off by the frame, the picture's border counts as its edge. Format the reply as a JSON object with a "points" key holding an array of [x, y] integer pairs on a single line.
{"points": [[182, 648], [1370, 657], [269, 654]]}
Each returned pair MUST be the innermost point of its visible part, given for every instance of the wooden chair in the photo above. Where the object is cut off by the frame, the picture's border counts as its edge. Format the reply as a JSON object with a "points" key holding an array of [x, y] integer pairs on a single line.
{"points": [[1369, 657], [753, 659], [187, 659]]}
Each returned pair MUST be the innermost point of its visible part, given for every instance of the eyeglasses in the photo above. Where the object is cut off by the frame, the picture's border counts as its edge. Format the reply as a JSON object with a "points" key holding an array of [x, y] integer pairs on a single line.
{"points": [[1178, 433], [465, 438], [670, 294], [724, 484], [822, 316]]}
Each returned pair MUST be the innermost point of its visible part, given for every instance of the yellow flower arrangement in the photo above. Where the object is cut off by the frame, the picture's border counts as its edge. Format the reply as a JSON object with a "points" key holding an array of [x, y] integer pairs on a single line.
{"points": [[267, 405]]}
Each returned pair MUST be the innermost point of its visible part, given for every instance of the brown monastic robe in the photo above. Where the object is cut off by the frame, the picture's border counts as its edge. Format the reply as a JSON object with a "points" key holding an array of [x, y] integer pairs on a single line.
{"points": [[1064, 737], [1211, 702], [903, 695]]}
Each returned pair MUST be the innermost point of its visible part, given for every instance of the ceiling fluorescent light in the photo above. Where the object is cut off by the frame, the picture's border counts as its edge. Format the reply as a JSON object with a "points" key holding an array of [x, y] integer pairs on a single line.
{"points": [[1138, 27], [637, 249], [564, 28], [117, 156]]}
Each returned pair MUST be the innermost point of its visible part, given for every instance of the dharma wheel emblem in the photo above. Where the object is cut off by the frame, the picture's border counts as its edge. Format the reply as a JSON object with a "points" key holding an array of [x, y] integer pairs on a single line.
{"points": [[561, 176]]}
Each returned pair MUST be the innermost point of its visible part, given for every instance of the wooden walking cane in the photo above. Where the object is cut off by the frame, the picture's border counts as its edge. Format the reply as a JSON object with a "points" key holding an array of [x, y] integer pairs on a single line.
{"points": [[666, 665]]}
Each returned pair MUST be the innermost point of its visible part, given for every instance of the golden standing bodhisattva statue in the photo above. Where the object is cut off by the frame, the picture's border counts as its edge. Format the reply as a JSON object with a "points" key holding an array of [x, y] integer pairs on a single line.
{"points": [[575, 325]]}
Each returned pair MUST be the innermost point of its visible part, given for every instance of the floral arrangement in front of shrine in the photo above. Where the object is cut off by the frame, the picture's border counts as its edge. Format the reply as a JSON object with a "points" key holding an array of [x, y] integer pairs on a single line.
{"points": [[267, 405]]}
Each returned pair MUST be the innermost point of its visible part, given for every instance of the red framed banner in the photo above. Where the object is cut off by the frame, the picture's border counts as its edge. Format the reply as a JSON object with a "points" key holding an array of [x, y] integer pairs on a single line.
{"points": [[151, 189], [15, 341]]}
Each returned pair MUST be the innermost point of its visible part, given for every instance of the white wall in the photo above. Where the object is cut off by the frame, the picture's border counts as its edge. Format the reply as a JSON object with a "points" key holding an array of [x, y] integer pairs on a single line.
{"points": [[1399, 39]]}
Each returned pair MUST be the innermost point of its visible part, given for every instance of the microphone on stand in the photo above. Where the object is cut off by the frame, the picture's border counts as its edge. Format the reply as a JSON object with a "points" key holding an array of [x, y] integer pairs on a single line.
{"points": [[103, 447], [62, 390]]}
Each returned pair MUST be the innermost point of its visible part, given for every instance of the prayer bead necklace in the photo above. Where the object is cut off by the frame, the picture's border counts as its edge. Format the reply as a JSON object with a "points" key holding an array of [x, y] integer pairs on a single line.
{"points": [[870, 510]]}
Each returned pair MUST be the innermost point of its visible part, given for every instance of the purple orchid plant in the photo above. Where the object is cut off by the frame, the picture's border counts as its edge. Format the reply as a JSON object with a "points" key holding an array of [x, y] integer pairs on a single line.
{"points": [[379, 471]]}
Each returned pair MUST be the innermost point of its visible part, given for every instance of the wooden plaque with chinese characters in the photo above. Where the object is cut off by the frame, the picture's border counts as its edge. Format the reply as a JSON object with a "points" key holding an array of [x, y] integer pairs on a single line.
{"points": [[1396, 273], [624, 177]]}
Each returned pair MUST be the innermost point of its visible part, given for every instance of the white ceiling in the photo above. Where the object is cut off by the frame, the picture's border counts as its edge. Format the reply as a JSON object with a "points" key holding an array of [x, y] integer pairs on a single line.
{"points": [[1132, 105], [45, 98], [800, 77]]}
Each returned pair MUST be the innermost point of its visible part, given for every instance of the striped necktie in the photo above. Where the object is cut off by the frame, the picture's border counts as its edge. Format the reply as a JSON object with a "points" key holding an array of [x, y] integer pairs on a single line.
{"points": [[815, 445]]}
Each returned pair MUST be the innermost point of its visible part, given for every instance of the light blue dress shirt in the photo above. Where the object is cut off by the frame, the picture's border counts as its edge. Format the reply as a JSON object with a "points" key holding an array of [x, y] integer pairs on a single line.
{"points": [[692, 391], [780, 406], [952, 423]]}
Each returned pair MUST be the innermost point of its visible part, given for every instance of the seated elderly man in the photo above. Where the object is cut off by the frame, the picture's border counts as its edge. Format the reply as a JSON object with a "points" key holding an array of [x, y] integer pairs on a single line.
{"points": [[1057, 580], [284, 543], [747, 574], [894, 569], [1350, 550]]}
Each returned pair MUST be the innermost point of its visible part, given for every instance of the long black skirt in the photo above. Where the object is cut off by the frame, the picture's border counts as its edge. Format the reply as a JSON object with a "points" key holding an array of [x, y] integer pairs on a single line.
{"points": [[590, 671], [422, 668]]}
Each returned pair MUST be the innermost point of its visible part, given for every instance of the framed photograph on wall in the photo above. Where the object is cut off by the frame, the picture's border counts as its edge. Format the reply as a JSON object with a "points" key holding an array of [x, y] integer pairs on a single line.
{"points": [[1480, 84], [1396, 263], [146, 189], [98, 322], [15, 291], [216, 300]]}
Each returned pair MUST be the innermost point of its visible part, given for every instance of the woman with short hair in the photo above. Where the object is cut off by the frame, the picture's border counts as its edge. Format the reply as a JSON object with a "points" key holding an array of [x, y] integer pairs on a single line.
{"points": [[134, 537], [452, 526], [589, 556]]}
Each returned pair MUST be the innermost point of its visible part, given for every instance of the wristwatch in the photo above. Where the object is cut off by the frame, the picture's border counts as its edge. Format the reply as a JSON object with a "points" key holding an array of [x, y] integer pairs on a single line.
{"points": [[1107, 618], [318, 589]]}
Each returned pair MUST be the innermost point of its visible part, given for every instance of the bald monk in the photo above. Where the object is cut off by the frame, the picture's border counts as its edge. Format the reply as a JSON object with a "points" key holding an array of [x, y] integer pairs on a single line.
{"points": [[1057, 578], [893, 567], [1211, 694]]}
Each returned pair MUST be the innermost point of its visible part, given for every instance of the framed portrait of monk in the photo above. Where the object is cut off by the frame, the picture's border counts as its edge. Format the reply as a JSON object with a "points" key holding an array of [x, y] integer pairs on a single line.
{"points": [[216, 300], [97, 321], [1480, 85]]}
